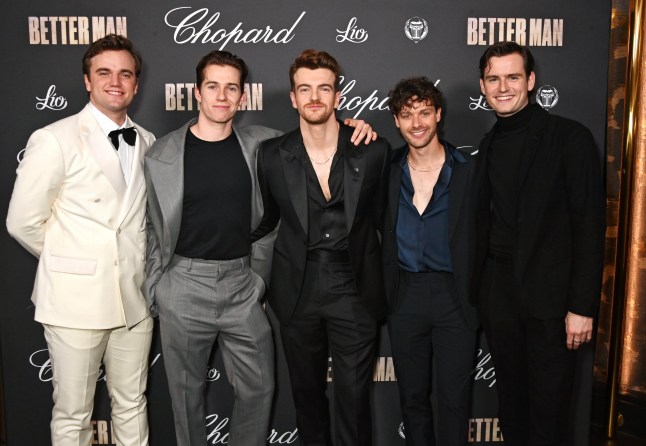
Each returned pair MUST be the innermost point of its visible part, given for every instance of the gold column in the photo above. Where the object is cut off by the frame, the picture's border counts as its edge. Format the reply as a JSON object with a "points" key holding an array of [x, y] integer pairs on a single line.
{"points": [[626, 370]]}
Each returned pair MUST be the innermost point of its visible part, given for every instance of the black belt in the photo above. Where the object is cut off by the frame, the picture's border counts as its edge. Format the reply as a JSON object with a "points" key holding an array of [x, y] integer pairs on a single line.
{"points": [[325, 256], [497, 258]]}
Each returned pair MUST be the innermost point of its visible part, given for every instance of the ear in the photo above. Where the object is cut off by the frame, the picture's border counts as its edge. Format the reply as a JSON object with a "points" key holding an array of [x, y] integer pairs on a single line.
{"points": [[243, 98], [396, 121], [482, 89], [292, 96], [531, 81], [337, 99], [438, 115], [198, 95], [88, 85]]}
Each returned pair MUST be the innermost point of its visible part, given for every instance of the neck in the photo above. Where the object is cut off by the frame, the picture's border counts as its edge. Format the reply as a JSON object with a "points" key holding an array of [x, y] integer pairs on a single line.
{"points": [[320, 137], [428, 155], [212, 131]]}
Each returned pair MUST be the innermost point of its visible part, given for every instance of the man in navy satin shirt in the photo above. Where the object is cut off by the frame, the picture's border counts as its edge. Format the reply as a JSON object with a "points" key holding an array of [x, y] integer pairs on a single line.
{"points": [[427, 267]]}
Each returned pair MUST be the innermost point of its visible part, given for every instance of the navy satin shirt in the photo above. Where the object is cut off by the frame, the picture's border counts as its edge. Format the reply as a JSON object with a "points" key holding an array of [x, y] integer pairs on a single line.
{"points": [[423, 240]]}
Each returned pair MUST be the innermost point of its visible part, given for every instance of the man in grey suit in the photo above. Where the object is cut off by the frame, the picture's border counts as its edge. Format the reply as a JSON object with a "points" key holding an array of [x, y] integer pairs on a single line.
{"points": [[205, 278]]}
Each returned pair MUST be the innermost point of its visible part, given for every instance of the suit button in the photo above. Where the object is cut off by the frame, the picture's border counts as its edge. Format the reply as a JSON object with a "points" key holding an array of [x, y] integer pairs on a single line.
{"points": [[119, 231]]}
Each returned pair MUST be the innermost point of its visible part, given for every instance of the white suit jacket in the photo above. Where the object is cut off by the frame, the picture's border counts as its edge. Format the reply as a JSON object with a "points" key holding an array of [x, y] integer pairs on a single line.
{"points": [[72, 209]]}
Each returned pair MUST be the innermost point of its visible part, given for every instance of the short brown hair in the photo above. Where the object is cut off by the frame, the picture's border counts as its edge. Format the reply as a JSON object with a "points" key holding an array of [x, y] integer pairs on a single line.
{"points": [[221, 58], [111, 42], [420, 88], [314, 59]]}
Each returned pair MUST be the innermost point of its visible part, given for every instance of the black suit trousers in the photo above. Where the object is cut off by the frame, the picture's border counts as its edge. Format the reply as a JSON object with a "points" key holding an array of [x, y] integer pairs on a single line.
{"points": [[427, 326], [534, 368], [331, 319]]}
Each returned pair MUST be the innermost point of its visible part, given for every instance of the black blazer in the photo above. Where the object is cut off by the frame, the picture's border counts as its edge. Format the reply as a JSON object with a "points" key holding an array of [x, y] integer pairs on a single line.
{"points": [[284, 192], [460, 237], [560, 218]]}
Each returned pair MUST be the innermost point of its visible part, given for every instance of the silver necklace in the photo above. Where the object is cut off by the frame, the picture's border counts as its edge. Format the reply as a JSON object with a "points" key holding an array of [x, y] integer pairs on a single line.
{"points": [[322, 162], [419, 169]]}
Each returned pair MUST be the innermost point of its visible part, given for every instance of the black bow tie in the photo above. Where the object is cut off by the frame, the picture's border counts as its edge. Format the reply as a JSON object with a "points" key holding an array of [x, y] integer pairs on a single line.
{"points": [[129, 136]]}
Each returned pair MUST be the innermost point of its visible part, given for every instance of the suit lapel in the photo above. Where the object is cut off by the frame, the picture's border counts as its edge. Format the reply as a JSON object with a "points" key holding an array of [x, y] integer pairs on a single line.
{"points": [[136, 176], [354, 163], [247, 144], [456, 195], [295, 176], [537, 126], [394, 185], [166, 167], [102, 151]]}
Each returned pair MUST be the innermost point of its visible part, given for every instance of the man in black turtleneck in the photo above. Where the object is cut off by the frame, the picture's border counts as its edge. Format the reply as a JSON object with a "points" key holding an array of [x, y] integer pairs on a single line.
{"points": [[540, 208]]}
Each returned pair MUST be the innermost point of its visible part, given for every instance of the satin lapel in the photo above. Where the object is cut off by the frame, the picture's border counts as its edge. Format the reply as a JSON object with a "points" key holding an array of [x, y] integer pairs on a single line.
{"points": [[394, 187], [355, 163], [102, 151], [295, 177], [136, 177]]}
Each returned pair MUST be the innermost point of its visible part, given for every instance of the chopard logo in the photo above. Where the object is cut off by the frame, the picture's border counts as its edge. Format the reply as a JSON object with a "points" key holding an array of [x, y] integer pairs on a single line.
{"points": [[51, 101], [352, 33], [484, 370], [41, 361], [217, 432], [197, 26]]}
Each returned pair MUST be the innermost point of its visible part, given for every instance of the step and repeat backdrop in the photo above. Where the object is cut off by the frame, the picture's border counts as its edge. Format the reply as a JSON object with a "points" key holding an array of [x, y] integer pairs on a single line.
{"points": [[377, 43]]}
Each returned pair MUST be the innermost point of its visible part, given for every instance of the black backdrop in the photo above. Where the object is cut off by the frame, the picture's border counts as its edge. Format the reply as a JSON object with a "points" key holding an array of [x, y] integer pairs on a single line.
{"points": [[377, 43]]}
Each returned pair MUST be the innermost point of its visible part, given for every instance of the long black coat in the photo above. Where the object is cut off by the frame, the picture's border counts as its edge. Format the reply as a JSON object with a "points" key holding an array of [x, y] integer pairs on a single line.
{"points": [[560, 225]]}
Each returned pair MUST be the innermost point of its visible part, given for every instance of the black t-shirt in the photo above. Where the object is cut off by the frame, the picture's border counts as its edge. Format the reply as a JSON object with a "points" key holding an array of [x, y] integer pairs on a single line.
{"points": [[216, 215]]}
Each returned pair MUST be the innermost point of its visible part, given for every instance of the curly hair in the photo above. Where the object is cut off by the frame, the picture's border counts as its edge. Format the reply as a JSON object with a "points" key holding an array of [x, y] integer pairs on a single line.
{"points": [[414, 89]]}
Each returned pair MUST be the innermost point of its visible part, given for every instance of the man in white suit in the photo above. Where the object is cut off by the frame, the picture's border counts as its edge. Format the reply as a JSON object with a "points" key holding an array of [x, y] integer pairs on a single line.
{"points": [[79, 205]]}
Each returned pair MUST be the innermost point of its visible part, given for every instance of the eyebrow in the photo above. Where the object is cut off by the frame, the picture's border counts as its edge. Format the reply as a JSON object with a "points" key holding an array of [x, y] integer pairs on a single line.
{"points": [[310, 85], [228, 84]]}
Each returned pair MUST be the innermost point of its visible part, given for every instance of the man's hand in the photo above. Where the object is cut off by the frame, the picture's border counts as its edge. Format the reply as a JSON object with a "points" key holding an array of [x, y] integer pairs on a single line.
{"points": [[578, 330], [362, 131]]}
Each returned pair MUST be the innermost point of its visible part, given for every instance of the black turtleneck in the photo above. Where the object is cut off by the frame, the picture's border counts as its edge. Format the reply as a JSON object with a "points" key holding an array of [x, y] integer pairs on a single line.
{"points": [[506, 150]]}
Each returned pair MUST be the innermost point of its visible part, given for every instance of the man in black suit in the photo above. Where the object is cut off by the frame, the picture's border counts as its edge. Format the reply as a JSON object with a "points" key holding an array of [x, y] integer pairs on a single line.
{"points": [[427, 268], [540, 208], [326, 287]]}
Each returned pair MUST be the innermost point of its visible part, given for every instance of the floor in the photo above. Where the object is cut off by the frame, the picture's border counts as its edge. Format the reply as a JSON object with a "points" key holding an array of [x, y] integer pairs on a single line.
{"points": [[621, 440]]}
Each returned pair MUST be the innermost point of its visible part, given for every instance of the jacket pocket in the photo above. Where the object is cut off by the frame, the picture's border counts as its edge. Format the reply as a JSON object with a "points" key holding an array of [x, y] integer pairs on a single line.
{"points": [[72, 265]]}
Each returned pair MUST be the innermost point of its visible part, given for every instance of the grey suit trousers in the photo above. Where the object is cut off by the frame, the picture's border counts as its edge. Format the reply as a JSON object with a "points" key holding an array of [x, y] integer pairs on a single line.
{"points": [[202, 301]]}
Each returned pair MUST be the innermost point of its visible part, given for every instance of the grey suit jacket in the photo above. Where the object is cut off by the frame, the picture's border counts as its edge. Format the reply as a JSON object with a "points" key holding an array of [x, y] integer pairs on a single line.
{"points": [[164, 172]]}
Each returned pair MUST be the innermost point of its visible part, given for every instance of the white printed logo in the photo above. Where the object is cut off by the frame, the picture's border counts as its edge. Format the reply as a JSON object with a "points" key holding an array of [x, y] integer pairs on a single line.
{"points": [[352, 33], [401, 430], [479, 103], [51, 101], [547, 96], [199, 26], [416, 29]]}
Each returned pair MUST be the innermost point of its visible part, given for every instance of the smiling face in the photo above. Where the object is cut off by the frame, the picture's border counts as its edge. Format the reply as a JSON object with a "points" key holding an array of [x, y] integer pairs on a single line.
{"points": [[112, 83], [417, 123], [506, 85], [314, 95], [220, 94]]}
